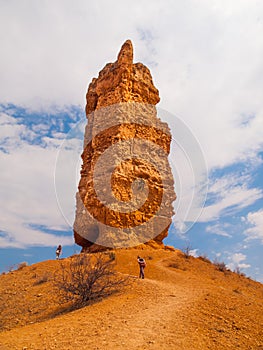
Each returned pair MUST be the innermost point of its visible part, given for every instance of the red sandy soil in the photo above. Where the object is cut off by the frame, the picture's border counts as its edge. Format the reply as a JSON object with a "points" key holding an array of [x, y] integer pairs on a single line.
{"points": [[183, 303]]}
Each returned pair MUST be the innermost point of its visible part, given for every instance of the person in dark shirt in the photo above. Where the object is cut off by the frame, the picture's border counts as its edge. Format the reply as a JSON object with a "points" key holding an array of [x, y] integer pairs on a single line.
{"points": [[58, 251], [142, 265]]}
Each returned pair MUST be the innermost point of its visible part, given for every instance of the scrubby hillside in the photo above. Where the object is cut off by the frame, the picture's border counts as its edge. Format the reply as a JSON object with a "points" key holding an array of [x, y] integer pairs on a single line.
{"points": [[183, 303]]}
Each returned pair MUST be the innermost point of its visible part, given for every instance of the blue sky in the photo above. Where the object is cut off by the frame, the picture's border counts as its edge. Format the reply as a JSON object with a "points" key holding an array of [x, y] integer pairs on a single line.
{"points": [[206, 60]]}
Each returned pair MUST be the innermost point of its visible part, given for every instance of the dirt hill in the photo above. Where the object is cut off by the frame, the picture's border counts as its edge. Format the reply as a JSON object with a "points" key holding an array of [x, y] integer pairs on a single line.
{"points": [[183, 303]]}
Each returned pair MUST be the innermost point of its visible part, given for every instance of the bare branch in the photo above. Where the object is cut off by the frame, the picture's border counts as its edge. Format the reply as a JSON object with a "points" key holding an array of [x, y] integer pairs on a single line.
{"points": [[86, 278]]}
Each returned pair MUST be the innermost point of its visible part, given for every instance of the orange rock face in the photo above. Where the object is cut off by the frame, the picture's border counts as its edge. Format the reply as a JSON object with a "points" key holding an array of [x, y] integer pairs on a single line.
{"points": [[122, 81], [126, 188]]}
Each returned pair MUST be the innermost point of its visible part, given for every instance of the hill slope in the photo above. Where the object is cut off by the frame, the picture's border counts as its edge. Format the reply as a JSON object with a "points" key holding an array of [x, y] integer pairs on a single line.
{"points": [[181, 304]]}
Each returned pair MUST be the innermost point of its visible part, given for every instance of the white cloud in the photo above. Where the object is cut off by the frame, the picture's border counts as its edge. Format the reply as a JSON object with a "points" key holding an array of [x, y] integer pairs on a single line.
{"points": [[255, 221], [205, 57], [218, 229], [12, 133], [194, 252], [238, 257], [6, 119], [258, 274], [59, 46], [40, 128], [237, 260], [28, 199], [230, 194], [211, 78]]}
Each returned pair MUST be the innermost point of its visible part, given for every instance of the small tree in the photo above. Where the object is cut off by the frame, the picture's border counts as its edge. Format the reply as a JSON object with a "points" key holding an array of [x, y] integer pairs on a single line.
{"points": [[86, 278], [187, 250]]}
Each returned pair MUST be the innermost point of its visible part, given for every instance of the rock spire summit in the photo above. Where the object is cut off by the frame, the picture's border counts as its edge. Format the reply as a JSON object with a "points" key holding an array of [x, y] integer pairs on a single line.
{"points": [[126, 53]]}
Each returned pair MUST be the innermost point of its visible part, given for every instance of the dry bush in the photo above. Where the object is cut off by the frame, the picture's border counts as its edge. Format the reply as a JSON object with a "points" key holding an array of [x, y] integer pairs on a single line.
{"points": [[204, 258], [43, 279], [220, 265], [112, 256], [87, 278], [21, 265], [174, 265], [17, 267], [238, 271], [187, 251], [177, 265], [11, 268]]}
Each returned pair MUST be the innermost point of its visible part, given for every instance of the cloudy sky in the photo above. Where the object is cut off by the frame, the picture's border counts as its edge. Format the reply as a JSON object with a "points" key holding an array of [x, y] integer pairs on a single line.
{"points": [[206, 60]]}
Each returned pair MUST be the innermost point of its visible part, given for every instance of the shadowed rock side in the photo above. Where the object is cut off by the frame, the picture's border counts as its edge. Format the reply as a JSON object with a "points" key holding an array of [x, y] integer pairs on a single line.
{"points": [[126, 188]]}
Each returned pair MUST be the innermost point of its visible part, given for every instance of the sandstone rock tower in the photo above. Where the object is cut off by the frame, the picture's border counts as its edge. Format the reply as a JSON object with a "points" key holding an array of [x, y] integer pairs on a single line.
{"points": [[126, 189]]}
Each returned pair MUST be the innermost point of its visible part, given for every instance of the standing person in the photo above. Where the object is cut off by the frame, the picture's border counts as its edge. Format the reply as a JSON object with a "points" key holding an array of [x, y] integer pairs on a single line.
{"points": [[58, 251], [142, 265]]}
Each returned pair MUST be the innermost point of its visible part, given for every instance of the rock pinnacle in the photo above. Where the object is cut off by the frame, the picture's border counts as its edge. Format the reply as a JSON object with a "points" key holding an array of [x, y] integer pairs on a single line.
{"points": [[126, 53]]}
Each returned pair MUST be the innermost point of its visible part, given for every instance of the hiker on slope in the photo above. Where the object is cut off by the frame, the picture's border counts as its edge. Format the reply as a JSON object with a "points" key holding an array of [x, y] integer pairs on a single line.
{"points": [[58, 251], [142, 264]]}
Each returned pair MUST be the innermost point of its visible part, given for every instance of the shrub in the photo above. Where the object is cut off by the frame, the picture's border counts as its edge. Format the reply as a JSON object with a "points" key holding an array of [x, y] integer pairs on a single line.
{"points": [[187, 251], [87, 278], [12, 268], [112, 256], [177, 265], [174, 265], [43, 279], [204, 258], [238, 271], [21, 265], [221, 266]]}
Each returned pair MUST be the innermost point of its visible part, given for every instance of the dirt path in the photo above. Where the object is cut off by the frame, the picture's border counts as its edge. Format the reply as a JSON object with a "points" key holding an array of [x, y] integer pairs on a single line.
{"points": [[145, 317], [182, 304]]}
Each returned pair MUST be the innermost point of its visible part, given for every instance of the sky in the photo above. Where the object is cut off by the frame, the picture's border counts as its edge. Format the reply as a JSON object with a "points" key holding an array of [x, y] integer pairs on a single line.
{"points": [[206, 61]]}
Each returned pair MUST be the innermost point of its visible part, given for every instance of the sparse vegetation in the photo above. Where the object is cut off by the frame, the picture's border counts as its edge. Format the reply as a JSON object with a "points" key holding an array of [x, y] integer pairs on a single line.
{"points": [[220, 265], [112, 256], [17, 267], [22, 265], [224, 306], [238, 271], [187, 251], [43, 279], [177, 265], [204, 258], [11, 268], [174, 265], [237, 290], [87, 278]]}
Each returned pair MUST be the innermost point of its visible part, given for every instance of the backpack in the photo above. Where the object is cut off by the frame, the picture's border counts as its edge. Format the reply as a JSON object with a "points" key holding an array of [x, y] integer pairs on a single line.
{"points": [[142, 262]]}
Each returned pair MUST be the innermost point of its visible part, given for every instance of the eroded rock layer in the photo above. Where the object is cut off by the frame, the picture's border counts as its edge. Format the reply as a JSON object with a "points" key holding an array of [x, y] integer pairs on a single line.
{"points": [[126, 188]]}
